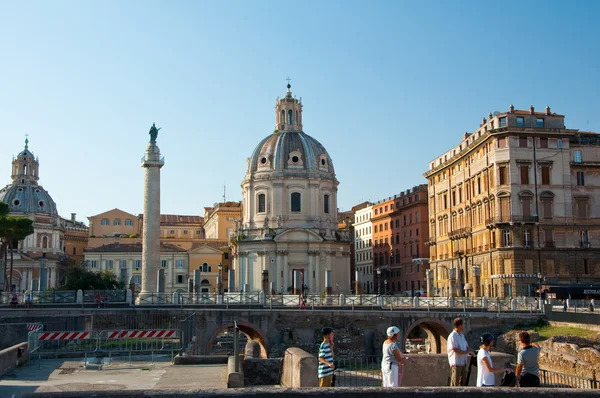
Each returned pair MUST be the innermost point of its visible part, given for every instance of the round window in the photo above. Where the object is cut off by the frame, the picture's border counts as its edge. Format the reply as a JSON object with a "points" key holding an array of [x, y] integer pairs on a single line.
{"points": [[323, 162], [41, 203], [37, 190], [20, 189], [295, 159], [263, 160], [16, 202]]}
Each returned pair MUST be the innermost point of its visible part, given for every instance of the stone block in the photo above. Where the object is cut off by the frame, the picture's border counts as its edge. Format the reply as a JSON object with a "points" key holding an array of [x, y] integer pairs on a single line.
{"points": [[300, 369], [262, 372]]}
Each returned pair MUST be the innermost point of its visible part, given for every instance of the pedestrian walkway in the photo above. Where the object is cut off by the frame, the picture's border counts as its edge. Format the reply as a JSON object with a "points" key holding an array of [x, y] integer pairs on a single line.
{"points": [[70, 375]]}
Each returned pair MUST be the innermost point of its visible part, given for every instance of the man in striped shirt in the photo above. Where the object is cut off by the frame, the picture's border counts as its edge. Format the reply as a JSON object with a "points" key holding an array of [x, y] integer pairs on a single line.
{"points": [[326, 365]]}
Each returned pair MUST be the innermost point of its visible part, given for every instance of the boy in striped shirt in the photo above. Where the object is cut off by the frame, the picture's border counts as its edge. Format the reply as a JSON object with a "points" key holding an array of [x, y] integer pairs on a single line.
{"points": [[326, 365]]}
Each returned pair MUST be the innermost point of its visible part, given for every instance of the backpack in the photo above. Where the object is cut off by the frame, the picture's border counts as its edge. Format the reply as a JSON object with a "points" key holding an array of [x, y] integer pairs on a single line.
{"points": [[509, 379]]}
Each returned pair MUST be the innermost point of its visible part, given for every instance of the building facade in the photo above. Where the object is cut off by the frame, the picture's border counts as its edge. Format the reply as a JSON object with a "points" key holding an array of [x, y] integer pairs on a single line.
{"points": [[288, 239], [514, 206], [400, 234], [363, 248]]}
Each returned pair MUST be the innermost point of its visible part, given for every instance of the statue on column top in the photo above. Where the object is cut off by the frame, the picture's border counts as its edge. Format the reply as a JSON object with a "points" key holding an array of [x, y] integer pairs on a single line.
{"points": [[153, 133]]}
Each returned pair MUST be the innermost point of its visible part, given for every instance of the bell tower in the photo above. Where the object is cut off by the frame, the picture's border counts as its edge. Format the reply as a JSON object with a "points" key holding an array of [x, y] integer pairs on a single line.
{"points": [[25, 167], [288, 113]]}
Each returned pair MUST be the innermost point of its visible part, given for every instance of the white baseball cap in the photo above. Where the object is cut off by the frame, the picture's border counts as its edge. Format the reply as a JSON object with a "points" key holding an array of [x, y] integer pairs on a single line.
{"points": [[392, 330]]}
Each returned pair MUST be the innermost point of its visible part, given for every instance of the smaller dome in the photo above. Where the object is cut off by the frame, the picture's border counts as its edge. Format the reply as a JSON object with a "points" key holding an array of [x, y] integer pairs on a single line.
{"points": [[25, 198]]}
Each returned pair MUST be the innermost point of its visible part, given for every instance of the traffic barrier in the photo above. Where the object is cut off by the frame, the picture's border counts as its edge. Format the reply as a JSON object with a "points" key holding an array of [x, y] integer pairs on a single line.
{"points": [[34, 327], [141, 334], [64, 336]]}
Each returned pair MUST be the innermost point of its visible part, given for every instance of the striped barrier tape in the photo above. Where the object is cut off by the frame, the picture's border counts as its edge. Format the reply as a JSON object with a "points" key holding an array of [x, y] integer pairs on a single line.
{"points": [[32, 327], [64, 336], [141, 334]]}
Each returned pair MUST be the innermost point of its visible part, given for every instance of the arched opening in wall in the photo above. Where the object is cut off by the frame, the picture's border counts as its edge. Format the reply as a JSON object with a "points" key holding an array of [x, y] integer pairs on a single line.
{"points": [[290, 116], [44, 242], [427, 336], [205, 286], [221, 343]]}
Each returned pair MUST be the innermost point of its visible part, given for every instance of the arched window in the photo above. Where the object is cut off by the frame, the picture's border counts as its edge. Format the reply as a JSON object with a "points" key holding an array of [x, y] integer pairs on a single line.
{"points": [[296, 201], [296, 116], [326, 203], [282, 116], [261, 203], [290, 116], [44, 242], [397, 256]]}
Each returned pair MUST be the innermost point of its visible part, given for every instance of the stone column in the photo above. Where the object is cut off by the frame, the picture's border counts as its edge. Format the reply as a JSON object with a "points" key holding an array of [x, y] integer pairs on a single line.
{"points": [[357, 282], [318, 265], [231, 280], [430, 288], [477, 280], [328, 288], [152, 163], [452, 278], [297, 282], [286, 272]]}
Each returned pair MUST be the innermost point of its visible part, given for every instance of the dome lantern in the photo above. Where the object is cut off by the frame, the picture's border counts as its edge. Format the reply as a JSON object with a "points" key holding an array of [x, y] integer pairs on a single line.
{"points": [[288, 113]]}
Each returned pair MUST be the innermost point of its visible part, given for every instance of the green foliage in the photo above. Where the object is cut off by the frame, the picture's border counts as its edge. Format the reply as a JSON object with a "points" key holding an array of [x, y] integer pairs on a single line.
{"points": [[134, 235], [12, 230], [79, 277], [548, 331]]}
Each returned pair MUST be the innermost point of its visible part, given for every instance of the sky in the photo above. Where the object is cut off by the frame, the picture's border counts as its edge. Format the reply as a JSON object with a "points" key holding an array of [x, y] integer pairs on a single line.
{"points": [[387, 86]]}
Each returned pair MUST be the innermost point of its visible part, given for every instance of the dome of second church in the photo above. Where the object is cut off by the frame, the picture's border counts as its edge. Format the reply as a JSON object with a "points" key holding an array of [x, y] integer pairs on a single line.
{"points": [[289, 150], [24, 195]]}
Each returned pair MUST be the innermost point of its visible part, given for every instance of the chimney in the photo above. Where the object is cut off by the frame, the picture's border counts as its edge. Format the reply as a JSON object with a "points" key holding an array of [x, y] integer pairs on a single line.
{"points": [[511, 108], [531, 110], [73, 217], [547, 110]]}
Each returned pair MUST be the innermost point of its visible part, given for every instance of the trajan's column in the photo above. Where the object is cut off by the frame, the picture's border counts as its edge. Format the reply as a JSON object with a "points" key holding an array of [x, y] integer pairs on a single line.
{"points": [[152, 162]]}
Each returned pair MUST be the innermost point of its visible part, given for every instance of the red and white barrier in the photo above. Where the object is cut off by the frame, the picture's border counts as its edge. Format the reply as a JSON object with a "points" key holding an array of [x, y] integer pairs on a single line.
{"points": [[64, 336], [32, 327], [141, 334]]}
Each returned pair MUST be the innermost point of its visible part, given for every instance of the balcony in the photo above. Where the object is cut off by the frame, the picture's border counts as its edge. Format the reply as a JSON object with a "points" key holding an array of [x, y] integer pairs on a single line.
{"points": [[510, 219], [459, 233], [430, 242]]}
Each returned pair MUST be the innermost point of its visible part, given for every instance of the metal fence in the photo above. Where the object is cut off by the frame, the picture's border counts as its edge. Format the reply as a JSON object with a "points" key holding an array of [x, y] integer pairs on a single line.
{"points": [[358, 371], [552, 379], [108, 296], [60, 344]]}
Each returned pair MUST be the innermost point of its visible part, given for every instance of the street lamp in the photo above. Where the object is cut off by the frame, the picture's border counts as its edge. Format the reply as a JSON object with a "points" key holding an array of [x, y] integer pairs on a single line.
{"points": [[219, 279], [378, 284], [385, 284]]}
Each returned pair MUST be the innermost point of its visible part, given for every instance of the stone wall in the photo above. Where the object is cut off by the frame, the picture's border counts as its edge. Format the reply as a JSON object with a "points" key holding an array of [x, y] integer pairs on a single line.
{"points": [[13, 357], [425, 392]]}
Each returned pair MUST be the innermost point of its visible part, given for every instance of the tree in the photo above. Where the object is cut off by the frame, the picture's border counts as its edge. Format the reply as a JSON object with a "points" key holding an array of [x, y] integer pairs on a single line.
{"points": [[79, 277], [12, 230]]}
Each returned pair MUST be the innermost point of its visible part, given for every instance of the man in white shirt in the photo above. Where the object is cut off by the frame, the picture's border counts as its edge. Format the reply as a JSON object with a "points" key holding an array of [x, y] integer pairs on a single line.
{"points": [[457, 354]]}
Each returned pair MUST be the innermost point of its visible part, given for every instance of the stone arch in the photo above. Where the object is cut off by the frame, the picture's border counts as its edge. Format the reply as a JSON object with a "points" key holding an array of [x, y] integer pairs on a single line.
{"points": [[437, 332], [253, 333]]}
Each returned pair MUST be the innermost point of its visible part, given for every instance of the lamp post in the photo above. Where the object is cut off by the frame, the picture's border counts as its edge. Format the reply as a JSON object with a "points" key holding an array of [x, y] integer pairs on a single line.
{"points": [[385, 285], [337, 288], [378, 284], [540, 279], [219, 279]]}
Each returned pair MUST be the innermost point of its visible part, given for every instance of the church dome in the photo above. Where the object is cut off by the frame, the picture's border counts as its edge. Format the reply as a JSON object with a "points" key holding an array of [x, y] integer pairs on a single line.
{"points": [[289, 150], [28, 199], [24, 195]]}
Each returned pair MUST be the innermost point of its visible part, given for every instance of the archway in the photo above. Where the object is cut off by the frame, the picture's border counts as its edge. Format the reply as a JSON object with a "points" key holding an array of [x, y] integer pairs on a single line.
{"points": [[222, 339], [436, 333]]}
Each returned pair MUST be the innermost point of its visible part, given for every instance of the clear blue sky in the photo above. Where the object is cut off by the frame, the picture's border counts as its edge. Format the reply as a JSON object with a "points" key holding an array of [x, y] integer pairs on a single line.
{"points": [[386, 85]]}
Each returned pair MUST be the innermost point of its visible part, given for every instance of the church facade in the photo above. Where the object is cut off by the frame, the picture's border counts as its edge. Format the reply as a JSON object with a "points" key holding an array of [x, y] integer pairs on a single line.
{"points": [[288, 239]]}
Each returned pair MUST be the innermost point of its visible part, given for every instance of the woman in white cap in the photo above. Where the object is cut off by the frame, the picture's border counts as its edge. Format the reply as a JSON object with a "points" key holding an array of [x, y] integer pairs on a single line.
{"points": [[392, 363]]}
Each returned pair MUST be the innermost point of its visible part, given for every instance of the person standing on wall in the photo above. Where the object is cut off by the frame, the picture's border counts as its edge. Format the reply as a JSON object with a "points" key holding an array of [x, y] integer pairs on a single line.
{"points": [[527, 362], [326, 365], [458, 348], [392, 363], [485, 367]]}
